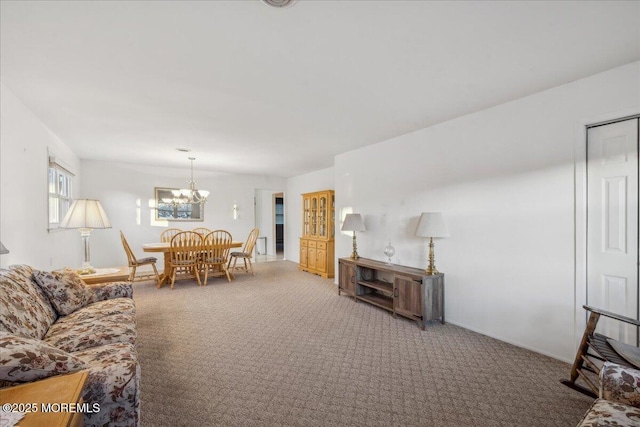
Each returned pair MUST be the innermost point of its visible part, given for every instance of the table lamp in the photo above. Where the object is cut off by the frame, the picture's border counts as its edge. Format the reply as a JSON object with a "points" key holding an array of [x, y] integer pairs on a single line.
{"points": [[3, 250], [85, 215], [353, 222], [432, 225]]}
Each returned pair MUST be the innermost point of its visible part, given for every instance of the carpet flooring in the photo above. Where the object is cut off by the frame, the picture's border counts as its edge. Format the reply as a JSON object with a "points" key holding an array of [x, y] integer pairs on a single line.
{"points": [[281, 348]]}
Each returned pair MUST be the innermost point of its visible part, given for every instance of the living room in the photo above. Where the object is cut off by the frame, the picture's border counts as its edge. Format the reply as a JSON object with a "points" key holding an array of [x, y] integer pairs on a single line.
{"points": [[507, 175]]}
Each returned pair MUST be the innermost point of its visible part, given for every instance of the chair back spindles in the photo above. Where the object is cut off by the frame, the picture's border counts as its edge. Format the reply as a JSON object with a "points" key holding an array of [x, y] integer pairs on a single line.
{"points": [[203, 231], [215, 254], [168, 234], [186, 247]]}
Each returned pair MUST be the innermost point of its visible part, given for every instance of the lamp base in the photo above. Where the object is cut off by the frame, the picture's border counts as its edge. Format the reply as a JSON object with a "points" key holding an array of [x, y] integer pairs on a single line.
{"points": [[85, 233], [354, 253], [431, 267]]}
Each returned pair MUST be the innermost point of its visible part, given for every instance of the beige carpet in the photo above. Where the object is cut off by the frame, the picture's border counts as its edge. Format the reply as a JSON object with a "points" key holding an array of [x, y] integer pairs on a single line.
{"points": [[283, 349]]}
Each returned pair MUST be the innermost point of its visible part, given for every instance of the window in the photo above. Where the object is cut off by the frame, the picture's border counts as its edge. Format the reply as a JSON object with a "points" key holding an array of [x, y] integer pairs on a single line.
{"points": [[60, 192]]}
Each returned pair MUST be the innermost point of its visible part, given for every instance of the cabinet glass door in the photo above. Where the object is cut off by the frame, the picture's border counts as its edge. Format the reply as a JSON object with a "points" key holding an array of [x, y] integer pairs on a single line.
{"points": [[314, 216], [306, 216], [332, 216], [322, 217]]}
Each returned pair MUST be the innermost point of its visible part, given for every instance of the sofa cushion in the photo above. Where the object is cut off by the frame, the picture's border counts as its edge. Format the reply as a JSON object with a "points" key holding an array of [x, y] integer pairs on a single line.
{"points": [[109, 290], [65, 290], [25, 309], [101, 309], [606, 413], [114, 383], [26, 359], [75, 336]]}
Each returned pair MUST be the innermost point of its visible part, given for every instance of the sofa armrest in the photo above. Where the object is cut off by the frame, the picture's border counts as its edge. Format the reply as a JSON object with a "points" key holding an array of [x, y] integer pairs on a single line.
{"points": [[620, 384], [110, 290]]}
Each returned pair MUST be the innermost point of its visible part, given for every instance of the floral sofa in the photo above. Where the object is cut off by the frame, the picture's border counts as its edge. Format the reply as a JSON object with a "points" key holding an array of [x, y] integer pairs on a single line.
{"points": [[619, 402], [51, 323]]}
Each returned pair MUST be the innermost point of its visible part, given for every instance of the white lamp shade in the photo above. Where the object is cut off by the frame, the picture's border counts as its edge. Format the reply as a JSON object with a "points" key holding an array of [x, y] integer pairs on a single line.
{"points": [[3, 250], [432, 224], [85, 213], [353, 222]]}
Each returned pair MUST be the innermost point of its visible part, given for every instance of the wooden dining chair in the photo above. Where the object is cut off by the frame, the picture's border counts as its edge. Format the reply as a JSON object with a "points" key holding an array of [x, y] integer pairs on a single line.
{"points": [[185, 250], [134, 263], [246, 254], [215, 254], [168, 234], [202, 230]]}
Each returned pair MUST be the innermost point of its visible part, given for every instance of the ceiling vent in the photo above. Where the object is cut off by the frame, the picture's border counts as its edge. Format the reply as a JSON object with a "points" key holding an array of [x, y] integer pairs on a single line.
{"points": [[279, 3]]}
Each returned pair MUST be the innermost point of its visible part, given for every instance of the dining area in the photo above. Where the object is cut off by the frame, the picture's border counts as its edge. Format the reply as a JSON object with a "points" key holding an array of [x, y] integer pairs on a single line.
{"points": [[198, 254]]}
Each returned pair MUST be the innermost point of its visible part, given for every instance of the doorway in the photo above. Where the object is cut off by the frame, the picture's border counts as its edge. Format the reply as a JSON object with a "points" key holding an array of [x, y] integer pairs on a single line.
{"points": [[270, 219], [612, 255]]}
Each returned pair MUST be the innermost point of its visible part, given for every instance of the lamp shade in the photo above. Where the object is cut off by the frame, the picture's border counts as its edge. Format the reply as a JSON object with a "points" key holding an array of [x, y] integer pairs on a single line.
{"points": [[353, 222], [85, 213], [432, 224], [3, 250]]}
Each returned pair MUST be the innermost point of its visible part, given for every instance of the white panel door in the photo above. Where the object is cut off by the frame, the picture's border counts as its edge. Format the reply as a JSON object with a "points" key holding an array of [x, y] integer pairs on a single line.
{"points": [[612, 224]]}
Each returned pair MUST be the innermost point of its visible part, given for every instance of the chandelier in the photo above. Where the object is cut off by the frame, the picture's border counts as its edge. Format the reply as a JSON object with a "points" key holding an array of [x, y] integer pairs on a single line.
{"points": [[188, 195]]}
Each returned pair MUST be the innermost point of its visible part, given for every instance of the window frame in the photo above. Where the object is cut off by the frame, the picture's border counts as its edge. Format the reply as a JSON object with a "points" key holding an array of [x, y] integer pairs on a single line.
{"points": [[61, 181]]}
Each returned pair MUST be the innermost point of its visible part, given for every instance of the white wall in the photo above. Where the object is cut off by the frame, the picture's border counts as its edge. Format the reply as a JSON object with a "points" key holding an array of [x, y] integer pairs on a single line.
{"points": [[504, 178], [296, 186], [126, 192], [24, 141]]}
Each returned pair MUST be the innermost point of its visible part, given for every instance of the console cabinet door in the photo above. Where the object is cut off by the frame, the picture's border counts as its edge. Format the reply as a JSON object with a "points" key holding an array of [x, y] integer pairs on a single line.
{"points": [[304, 254], [347, 282], [408, 296], [312, 258]]}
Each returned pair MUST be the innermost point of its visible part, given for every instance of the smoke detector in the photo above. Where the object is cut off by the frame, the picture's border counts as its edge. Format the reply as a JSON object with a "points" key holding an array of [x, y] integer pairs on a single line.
{"points": [[279, 3]]}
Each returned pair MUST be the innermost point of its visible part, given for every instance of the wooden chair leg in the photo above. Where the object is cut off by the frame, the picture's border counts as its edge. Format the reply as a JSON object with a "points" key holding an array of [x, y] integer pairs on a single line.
{"points": [[195, 270], [584, 345], [155, 270], [251, 266], [173, 276], [226, 271], [132, 274], [206, 274]]}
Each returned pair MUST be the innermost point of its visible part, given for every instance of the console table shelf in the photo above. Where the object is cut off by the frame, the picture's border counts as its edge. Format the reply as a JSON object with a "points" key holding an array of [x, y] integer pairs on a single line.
{"points": [[405, 291]]}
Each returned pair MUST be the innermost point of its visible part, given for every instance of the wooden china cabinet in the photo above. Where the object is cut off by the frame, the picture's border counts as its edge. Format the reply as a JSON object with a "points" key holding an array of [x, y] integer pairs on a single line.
{"points": [[318, 233]]}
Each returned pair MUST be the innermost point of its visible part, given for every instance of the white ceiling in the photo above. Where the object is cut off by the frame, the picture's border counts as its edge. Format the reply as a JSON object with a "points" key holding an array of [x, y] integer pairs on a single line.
{"points": [[254, 89]]}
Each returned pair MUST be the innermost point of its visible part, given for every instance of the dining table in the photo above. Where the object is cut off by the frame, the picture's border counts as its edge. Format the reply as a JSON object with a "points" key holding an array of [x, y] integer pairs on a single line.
{"points": [[165, 248]]}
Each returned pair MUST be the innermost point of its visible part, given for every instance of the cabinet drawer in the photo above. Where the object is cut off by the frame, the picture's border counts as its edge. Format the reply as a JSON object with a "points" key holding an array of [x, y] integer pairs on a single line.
{"points": [[304, 242], [312, 243], [322, 245]]}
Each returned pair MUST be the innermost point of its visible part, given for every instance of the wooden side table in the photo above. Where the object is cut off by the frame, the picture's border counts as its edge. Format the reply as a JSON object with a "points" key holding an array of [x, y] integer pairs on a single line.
{"points": [[45, 401], [103, 275]]}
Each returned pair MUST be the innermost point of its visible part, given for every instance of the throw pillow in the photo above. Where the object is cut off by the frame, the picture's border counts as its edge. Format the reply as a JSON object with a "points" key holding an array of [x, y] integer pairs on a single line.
{"points": [[25, 359], [65, 290]]}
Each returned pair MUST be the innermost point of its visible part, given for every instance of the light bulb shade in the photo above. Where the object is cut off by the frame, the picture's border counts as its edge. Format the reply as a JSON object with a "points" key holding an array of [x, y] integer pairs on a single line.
{"points": [[3, 250], [203, 193], [353, 222], [432, 224], [85, 213]]}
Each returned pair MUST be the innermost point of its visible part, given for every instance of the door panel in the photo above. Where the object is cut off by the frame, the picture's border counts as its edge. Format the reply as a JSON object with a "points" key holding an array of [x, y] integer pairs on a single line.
{"points": [[612, 224]]}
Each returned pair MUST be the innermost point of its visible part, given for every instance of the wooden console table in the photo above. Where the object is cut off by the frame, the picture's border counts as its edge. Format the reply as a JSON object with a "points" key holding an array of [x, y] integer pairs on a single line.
{"points": [[44, 401], [102, 275], [404, 291]]}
